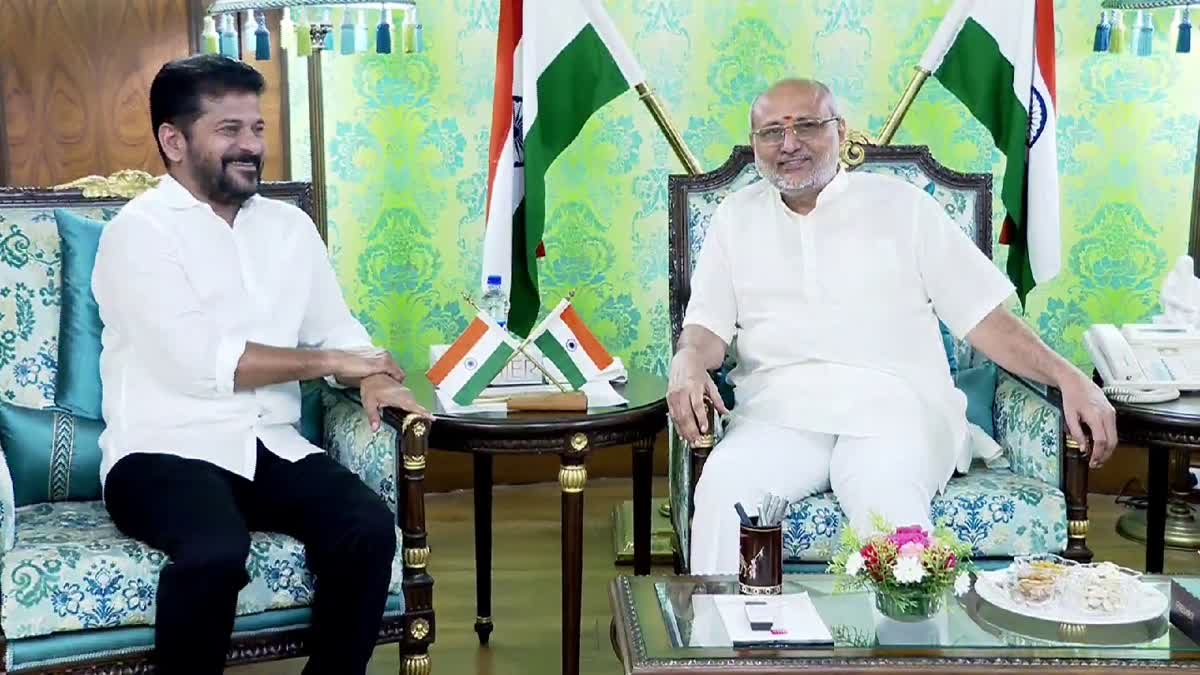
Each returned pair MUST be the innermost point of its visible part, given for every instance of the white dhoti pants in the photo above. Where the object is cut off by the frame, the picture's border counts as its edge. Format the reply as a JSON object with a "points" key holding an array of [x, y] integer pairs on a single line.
{"points": [[894, 475]]}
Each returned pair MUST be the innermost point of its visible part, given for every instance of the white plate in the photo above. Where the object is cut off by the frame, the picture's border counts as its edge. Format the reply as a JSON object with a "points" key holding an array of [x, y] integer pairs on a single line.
{"points": [[1148, 604]]}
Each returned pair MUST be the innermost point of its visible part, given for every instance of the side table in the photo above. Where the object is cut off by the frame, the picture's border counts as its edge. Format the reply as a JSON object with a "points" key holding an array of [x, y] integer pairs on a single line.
{"points": [[1170, 431], [572, 436]]}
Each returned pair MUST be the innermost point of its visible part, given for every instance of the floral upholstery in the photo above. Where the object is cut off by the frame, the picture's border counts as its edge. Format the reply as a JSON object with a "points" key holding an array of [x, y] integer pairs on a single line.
{"points": [[998, 512], [30, 284], [370, 455], [1029, 428], [1002, 512], [72, 569]]}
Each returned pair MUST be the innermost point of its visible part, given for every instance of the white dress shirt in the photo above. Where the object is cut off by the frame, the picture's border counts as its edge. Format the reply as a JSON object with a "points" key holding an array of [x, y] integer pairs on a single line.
{"points": [[180, 294], [835, 312]]}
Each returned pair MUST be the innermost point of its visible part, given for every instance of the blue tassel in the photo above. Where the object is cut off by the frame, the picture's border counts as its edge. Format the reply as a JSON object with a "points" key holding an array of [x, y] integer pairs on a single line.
{"points": [[349, 41], [383, 35], [262, 40], [328, 21], [229, 40], [1183, 42], [362, 38], [1103, 33], [1145, 34]]}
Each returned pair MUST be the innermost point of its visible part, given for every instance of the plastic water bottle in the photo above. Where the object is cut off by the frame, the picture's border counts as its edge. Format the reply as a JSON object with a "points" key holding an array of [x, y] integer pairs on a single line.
{"points": [[494, 301]]}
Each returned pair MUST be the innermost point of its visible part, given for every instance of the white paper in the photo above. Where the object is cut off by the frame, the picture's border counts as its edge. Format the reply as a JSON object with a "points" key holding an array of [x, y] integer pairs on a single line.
{"points": [[797, 616], [1180, 296]]}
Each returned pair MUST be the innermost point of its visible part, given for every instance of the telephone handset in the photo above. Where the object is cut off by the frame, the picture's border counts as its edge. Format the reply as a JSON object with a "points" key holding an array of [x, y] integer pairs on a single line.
{"points": [[1138, 372]]}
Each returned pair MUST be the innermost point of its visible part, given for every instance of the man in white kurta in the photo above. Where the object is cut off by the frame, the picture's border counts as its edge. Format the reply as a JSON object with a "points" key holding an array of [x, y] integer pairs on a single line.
{"points": [[833, 284]]}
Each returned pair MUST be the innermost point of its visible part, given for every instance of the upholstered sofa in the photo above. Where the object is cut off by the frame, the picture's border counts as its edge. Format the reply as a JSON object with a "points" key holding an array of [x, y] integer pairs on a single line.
{"points": [[1031, 499], [75, 594]]}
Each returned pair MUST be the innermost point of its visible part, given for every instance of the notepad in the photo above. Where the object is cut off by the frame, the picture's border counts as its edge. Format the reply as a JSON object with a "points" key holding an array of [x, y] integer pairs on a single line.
{"points": [[802, 626]]}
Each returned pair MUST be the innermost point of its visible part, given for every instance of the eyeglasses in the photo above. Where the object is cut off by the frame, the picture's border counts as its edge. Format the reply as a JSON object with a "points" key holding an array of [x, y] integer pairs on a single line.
{"points": [[803, 129]]}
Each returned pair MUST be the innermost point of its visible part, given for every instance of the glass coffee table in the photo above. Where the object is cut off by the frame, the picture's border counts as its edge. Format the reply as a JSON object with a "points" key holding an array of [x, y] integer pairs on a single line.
{"points": [[664, 625]]}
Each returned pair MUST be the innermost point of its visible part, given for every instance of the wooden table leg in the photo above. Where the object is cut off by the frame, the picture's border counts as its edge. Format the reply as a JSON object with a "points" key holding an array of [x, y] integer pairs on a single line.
{"points": [[1156, 509], [483, 546], [572, 476], [643, 476]]}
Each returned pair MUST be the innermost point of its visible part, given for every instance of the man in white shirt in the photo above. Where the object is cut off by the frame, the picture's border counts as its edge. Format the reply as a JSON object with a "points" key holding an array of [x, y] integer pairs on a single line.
{"points": [[216, 303], [833, 285]]}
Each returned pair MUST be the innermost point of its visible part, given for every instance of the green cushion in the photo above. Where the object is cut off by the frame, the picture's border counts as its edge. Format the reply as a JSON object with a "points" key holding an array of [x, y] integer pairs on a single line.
{"points": [[51, 454], [77, 382], [312, 412], [979, 384]]}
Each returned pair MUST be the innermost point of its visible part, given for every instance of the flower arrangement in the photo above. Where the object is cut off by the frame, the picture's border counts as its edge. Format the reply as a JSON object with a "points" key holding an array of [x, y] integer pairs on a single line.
{"points": [[908, 568]]}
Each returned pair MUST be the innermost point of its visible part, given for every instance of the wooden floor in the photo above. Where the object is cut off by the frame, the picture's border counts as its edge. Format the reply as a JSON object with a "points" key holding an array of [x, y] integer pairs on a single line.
{"points": [[526, 599]]}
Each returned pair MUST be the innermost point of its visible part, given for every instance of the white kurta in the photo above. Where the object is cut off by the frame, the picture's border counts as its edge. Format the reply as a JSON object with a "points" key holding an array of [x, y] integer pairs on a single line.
{"points": [[842, 378], [836, 312]]}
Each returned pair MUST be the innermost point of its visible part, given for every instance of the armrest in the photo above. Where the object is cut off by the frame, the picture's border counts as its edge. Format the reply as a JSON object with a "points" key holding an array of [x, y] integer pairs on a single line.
{"points": [[8, 507], [1029, 427], [684, 466], [350, 441]]}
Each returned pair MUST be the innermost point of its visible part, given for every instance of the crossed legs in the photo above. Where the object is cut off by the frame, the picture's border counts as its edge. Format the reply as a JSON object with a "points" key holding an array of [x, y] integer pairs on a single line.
{"points": [[895, 476]]}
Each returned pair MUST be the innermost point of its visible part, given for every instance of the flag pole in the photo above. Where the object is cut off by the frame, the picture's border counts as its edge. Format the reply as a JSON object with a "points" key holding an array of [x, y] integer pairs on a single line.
{"points": [[906, 101], [647, 95], [521, 349]]}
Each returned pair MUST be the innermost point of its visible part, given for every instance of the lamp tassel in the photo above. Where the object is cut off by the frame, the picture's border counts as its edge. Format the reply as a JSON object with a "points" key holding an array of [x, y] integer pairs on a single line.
{"points": [[262, 40], [362, 40], [349, 40], [1103, 33], [211, 41], [1183, 40], [327, 22], [1145, 33], [287, 31], [303, 35], [1116, 43], [383, 34], [229, 40], [418, 32]]}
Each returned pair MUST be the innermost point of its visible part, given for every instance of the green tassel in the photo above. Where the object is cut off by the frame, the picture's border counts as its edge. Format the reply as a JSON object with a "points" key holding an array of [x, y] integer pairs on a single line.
{"points": [[211, 40]]}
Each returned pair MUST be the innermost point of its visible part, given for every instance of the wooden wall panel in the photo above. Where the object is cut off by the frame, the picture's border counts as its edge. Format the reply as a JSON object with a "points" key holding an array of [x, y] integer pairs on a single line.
{"points": [[75, 78]]}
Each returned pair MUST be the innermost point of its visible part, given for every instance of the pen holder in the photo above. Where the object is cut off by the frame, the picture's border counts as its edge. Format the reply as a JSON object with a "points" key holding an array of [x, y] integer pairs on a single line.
{"points": [[760, 568]]}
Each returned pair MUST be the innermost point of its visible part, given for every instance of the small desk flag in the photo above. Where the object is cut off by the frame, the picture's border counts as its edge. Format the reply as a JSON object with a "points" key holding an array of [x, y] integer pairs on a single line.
{"points": [[564, 339], [473, 361]]}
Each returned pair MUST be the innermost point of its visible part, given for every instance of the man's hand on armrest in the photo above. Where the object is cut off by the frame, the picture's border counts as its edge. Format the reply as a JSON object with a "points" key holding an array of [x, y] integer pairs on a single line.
{"points": [[700, 351], [262, 365], [381, 391]]}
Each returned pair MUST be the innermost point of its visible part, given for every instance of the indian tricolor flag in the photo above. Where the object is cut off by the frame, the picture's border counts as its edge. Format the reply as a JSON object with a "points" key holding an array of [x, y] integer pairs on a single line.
{"points": [[997, 57], [557, 63], [473, 361], [564, 339]]}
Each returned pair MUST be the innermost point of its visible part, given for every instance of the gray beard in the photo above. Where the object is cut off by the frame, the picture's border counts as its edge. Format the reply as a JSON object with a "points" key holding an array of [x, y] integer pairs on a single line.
{"points": [[818, 178]]}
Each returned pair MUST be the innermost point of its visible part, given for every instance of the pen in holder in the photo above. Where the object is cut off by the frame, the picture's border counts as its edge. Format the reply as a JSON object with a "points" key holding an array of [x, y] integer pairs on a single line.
{"points": [[760, 563]]}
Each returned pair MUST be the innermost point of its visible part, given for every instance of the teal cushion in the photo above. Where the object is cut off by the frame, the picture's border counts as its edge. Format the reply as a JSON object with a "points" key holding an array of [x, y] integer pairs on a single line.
{"points": [[979, 384], [312, 412], [52, 455], [948, 345], [77, 382]]}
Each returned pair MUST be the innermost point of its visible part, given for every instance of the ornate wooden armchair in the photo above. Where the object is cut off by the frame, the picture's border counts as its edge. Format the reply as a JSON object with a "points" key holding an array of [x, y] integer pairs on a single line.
{"points": [[1037, 503], [77, 595]]}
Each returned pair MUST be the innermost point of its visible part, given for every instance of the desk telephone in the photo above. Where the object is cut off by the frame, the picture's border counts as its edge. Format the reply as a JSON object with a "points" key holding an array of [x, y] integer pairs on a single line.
{"points": [[1145, 363]]}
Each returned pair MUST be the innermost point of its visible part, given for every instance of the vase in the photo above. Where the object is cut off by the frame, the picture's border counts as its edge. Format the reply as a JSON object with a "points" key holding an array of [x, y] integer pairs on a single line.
{"points": [[908, 607]]}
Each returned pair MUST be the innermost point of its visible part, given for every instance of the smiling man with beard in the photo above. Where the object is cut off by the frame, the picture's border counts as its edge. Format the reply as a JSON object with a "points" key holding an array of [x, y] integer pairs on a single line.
{"points": [[216, 303], [833, 284]]}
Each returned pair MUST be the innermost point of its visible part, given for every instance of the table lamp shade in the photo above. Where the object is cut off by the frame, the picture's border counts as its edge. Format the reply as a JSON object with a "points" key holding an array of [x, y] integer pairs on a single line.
{"points": [[307, 25], [1116, 34]]}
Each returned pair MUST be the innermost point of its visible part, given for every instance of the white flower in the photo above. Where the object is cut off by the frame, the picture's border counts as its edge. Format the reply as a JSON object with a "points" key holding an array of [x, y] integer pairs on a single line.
{"points": [[908, 570], [962, 584], [854, 564]]}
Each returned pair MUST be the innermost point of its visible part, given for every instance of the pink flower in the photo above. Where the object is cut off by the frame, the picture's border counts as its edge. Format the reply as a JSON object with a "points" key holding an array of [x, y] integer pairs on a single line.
{"points": [[913, 534], [951, 561], [912, 549]]}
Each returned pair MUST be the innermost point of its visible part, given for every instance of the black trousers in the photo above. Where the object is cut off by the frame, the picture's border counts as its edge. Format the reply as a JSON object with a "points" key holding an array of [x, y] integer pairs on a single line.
{"points": [[201, 517]]}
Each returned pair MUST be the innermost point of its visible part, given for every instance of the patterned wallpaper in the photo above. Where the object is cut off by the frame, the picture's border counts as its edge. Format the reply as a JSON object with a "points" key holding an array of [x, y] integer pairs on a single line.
{"points": [[407, 142]]}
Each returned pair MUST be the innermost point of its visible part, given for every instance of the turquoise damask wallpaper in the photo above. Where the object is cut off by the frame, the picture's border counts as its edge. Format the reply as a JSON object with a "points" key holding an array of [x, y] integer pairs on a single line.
{"points": [[407, 144]]}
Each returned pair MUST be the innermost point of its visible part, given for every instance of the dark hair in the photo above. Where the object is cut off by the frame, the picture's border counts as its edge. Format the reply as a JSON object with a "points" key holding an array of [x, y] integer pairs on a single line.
{"points": [[179, 86]]}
